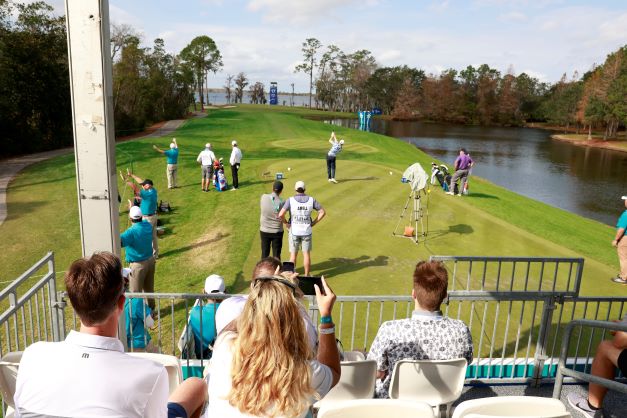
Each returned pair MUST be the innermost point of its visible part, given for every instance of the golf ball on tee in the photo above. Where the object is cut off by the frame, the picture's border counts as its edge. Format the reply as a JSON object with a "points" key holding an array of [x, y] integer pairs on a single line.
{"points": [[390, 173]]}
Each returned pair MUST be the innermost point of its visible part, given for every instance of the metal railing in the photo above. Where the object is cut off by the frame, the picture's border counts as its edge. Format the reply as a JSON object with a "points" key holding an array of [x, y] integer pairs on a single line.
{"points": [[516, 309], [31, 310], [564, 371]]}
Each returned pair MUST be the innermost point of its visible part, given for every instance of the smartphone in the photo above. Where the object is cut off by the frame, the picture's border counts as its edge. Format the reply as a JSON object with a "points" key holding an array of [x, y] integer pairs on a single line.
{"points": [[306, 284], [288, 266]]}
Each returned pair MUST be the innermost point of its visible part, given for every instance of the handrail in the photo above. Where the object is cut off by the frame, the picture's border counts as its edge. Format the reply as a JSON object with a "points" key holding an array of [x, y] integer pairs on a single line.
{"points": [[562, 370]]}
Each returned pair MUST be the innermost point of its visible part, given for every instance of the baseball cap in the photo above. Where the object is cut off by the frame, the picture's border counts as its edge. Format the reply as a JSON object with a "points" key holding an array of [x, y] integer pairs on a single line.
{"points": [[146, 181], [341, 141], [172, 145], [234, 142], [207, 145], [624, 197], [229, 310], [299, 185], [135, 212], [277, 186], [214, 284], [126, 272]]}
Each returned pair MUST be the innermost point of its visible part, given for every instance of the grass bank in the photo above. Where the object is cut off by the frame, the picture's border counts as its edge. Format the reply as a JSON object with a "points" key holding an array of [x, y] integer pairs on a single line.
{"points": [[596, 141]]}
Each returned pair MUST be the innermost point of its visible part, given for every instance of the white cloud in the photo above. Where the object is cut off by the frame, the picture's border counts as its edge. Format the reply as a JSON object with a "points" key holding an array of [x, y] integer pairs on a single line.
{"points": [[536, 74], [513, 17], [390, 55], [297, 12], [615, 29], [118, 15], [439, 5]]}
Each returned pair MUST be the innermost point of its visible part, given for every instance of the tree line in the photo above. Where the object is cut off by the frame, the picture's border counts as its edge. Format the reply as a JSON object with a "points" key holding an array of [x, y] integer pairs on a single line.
{"points": [[149, 84], [474, 95]]}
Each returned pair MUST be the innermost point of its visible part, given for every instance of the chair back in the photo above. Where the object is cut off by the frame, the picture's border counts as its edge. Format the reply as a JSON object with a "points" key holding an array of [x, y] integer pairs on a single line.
{"points": [[171, 364], [356, 382], [377, 408], [354, 356], [9, 365], [512, 406], [435, 382]]}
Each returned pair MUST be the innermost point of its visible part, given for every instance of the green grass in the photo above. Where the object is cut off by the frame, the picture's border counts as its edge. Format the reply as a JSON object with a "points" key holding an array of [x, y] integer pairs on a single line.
{"points": [[353, 246]]}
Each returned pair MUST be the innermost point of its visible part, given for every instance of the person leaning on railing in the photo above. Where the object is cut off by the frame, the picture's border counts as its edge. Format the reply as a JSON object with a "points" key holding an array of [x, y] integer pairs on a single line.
{"points": [[266, 366], [609, 356]]}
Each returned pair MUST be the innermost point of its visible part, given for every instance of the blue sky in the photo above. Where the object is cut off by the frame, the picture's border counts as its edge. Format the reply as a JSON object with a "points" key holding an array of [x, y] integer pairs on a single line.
{"points": [[262, 38]]}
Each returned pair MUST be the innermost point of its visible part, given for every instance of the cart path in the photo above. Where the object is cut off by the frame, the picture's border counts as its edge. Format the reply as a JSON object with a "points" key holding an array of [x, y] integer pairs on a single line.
{"points": [[11, 167]]}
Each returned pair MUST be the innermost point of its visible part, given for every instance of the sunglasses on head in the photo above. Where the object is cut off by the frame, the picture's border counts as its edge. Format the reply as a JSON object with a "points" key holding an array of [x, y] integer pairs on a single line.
{"points": [[277, 279]]}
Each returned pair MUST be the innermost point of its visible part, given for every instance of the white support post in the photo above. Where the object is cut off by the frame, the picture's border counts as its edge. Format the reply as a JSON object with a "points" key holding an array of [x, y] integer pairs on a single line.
{"points": [[92, 112]]}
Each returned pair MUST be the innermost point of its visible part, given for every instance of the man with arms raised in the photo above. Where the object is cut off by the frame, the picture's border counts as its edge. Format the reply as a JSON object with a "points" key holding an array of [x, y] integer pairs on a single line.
{"points": [[88, 374], [300, 207], [427, 335]]}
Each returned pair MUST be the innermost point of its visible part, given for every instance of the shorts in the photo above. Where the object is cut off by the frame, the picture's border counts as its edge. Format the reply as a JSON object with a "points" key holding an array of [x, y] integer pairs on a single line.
{"points": [[207, 172], [176, 411], [622, 362], [296, 242]]}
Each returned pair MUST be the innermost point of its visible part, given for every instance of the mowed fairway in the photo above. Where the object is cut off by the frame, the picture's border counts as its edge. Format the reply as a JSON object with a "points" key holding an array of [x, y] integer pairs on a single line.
{"points": [[353, 247]]}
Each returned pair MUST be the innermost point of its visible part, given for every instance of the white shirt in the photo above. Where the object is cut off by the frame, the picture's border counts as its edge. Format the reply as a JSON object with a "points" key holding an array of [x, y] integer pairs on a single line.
{"points": [[89, 376], [206, 157], [220, 380], [236, 156]]}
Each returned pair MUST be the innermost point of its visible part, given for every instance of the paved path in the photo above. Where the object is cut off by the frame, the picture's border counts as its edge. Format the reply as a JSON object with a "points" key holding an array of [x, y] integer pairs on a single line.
{"points": [[11, 167]]}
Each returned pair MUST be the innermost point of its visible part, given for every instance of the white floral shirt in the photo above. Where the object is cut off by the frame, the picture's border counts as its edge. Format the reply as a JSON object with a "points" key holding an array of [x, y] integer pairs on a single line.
{"points": [[424, 336]]}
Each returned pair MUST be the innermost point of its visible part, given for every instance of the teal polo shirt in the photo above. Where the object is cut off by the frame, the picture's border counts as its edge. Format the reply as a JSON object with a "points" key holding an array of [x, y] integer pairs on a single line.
{"points": [[172, 155], [622, 222], [205, 335], [138, 242], [148, 204], [136, 310]]}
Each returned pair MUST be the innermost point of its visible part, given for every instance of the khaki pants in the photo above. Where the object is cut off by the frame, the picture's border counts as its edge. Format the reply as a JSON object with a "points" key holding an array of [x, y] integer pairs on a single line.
{"points": [[171, 173], [621, 249], [143, 278], [155, 244]]}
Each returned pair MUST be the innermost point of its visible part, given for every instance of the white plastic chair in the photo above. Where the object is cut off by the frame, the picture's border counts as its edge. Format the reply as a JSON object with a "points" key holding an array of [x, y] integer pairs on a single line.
{"points": [[9, 365], [171, 364], [354, 356], [512, 406], [436, 382], [377, 408], [356, 382]]}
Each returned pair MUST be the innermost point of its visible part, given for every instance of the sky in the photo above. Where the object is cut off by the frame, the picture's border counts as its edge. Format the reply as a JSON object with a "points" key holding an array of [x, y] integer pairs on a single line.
{"points": [[262, 38]]}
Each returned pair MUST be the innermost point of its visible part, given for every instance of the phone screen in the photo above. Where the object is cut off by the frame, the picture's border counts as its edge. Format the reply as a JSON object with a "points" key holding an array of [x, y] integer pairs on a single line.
{"points": [[306, 284], [288, 266]]}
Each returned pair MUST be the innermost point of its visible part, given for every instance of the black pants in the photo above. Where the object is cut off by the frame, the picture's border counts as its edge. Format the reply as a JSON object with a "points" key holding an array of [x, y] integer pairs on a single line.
{"points": [[271, 238], [331, 166], [234, 170]]}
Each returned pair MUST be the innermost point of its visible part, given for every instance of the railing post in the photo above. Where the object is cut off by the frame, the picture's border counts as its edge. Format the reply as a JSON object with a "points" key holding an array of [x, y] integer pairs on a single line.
{"points": [[545, 328], [56, 311]]}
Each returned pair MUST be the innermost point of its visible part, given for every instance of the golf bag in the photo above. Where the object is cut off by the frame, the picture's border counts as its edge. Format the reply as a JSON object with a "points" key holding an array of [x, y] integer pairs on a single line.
{"points": [[220, 180], [441, 174]]}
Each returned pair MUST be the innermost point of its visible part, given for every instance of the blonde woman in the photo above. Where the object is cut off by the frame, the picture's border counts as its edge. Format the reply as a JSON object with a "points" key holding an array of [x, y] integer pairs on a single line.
{"points": [[266, 368]]}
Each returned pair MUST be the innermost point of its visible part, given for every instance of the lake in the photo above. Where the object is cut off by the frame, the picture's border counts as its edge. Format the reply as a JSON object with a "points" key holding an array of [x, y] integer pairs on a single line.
{"points": [[583, 180]]}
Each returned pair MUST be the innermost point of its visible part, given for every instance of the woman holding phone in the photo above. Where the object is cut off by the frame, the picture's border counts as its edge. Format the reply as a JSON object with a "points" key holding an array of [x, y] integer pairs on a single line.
{"points": [[266, 368]]}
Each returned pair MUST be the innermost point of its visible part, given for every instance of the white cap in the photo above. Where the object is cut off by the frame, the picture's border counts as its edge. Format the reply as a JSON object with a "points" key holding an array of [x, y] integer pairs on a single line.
{"points": [[126, 272], [229, 310], [234, 142], [299, 185], [172, 145], [341, 142], [207, 145], [214, 284], [624, 197], [135, 212]]}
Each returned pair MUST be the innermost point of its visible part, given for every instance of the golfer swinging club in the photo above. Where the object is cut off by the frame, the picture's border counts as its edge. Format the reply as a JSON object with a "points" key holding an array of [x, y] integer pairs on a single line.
{"points": [[336, 147]]}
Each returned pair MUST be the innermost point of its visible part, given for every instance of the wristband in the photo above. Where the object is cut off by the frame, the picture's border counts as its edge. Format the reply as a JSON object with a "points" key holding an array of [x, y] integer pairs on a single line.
{"points": [[325, 331], [326, 319]]}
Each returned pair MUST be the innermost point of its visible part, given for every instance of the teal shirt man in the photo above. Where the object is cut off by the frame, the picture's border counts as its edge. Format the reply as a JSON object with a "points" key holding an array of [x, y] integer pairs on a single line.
{"points": [[137, 311], [138, 242], [172, 155], [148, 203], [622, 222], [204, 335]]}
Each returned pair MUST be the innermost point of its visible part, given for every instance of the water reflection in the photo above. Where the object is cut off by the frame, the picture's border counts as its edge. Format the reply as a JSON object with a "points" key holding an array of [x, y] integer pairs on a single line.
{"points": [[583, 180]]}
